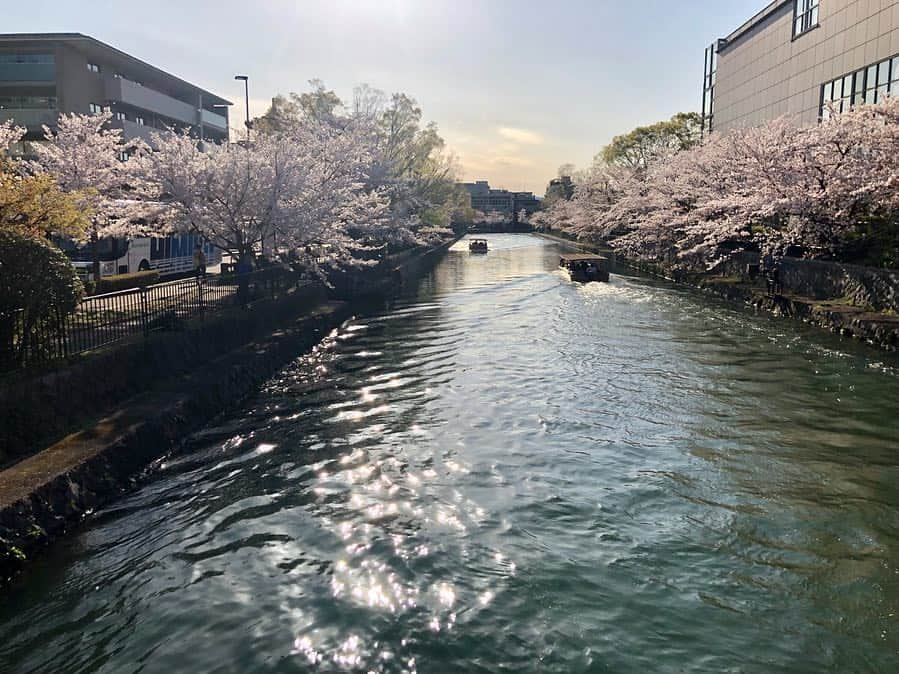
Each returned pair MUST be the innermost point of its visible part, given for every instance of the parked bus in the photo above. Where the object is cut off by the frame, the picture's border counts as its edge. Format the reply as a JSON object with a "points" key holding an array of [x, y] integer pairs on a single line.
{"points": [[168, 255]]}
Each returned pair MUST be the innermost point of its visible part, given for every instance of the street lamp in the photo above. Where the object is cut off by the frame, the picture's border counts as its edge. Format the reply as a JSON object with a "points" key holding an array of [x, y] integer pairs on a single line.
{"points": [[246, 88]]}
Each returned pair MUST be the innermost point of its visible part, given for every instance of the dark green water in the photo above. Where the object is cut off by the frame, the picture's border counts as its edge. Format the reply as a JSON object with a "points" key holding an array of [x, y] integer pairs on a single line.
{"points": [[504, 471]]}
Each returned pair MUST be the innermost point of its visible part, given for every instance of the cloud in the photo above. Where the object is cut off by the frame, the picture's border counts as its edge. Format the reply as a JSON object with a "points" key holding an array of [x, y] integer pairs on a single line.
{"points": [[511, 160], [522, 136]]}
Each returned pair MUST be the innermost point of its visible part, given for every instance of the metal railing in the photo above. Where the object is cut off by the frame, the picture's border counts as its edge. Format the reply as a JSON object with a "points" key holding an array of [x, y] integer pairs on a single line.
{"points": [[100, 320]]}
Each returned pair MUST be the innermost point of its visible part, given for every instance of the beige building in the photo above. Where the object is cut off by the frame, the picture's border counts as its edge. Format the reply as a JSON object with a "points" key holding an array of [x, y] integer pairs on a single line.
{"points": [[45, 74], [794, 56]]}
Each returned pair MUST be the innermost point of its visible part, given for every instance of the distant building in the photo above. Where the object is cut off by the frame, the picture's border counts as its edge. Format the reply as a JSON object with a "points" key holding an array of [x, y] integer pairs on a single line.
{"points": [[45, 74], [488, 200], [559, 189], [795, 56]]}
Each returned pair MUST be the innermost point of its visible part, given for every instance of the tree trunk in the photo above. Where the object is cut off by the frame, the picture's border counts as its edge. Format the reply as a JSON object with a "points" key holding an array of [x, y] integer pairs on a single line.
{"points": [[95, 256], [244, 266]]}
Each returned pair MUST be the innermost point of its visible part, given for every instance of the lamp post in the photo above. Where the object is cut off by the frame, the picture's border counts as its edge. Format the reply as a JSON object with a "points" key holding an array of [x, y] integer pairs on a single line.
{"points": [[246, 88]]}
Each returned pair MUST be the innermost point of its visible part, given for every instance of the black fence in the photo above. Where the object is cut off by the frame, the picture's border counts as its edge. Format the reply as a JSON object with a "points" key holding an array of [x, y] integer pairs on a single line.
{"points": [[101, 320]]}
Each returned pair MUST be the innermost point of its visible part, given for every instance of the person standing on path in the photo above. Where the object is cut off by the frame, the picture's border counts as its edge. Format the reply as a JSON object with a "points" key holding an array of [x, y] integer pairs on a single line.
{"points": [[199, 262]]}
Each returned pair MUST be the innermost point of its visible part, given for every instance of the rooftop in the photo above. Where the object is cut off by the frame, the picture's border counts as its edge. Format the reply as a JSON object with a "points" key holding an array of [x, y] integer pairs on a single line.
{"points": [[761, 16]]}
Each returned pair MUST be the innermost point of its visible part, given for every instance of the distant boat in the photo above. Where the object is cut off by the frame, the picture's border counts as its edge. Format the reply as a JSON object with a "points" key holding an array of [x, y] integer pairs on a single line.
{"points": [[477, 246], [583, 268]]}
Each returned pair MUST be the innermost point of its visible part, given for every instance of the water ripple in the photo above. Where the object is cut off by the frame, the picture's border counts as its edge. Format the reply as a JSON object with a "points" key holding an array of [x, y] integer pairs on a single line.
{"points": [[504, 470]]}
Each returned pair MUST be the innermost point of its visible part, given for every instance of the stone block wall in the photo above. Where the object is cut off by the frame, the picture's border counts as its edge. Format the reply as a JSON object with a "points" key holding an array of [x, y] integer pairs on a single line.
{"points": [[869, 287]]}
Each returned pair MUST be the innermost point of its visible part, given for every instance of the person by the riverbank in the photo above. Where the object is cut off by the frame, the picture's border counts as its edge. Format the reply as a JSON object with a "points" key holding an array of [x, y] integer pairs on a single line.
{"points": [[199, 262]]}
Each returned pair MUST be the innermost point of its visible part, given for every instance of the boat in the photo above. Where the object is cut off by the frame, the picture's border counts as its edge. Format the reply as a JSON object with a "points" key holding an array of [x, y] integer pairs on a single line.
{"points": [[477, 246], [584, 268]]}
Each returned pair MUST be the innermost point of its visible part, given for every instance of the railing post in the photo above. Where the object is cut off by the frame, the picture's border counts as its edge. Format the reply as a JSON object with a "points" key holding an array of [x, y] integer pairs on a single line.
{"points": [[144, 312], [200, 282], [61, 346]]}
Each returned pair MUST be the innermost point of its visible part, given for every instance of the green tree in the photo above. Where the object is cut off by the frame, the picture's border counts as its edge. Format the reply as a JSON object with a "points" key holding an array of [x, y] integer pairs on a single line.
{"points": [[35, 206], [647, 145], [38, 287], [320, 104]]}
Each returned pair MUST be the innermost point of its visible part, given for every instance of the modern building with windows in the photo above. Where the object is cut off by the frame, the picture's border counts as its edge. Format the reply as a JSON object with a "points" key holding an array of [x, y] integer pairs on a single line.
{"points": [[796, 56], [487, 200], [43, 75]]}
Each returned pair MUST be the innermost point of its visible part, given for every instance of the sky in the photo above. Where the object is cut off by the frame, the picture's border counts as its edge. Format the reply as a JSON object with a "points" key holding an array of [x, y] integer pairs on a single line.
{"points": [[516, 87]]}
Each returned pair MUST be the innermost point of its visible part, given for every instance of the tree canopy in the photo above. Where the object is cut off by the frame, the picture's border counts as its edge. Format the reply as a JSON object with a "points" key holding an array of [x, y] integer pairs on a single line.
{"points": [[646, 145], [34, 205]]}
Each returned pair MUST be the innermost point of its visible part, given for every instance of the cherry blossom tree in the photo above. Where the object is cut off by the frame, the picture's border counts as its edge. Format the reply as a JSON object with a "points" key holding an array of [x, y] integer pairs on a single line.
{"points": [[764, 188], [299, 188], [406, 161], [490, 218], [9, 134], [90, 161]]}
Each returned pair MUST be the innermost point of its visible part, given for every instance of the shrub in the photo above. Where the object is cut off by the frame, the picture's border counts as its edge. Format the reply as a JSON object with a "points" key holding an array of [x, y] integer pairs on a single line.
{"points": [[38, 287], [138, 279]]}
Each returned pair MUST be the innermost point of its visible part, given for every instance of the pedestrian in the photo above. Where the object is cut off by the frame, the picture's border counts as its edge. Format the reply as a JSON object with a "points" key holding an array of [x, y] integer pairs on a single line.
{"points": [[199, 262], [776, 280]]}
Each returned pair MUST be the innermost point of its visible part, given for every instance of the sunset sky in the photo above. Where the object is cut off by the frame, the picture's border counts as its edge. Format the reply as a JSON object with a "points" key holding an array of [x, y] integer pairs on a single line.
{"points": [[516, 87]]}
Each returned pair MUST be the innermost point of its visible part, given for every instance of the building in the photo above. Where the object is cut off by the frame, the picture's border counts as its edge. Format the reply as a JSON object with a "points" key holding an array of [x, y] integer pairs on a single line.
{"points": [[487, 200], [45, 74], [561, 188], [795, 56]]}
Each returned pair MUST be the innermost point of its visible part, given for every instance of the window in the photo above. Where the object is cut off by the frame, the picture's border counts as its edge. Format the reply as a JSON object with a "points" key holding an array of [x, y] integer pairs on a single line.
{"points": [[868, 85], [139, 121], [27, 58], [94, 108], [121, 116], [124, 155], [27, 102], [710, 76], [93, 67], [805, 16]]}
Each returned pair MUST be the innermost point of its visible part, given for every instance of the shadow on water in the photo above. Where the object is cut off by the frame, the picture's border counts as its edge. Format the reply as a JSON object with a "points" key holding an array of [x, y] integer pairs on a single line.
{"points": [[503, 469]]}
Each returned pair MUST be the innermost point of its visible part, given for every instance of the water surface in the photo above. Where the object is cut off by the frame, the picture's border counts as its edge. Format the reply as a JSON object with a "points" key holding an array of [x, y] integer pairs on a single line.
{"points": [[505, 471]]}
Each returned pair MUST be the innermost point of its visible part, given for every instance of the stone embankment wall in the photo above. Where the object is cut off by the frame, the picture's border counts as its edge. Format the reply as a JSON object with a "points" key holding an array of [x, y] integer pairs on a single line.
{"points": [[864, 287], [39, 408]]}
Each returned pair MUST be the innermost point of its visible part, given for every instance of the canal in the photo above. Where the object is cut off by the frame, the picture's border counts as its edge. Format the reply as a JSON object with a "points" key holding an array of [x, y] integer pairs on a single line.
{"points": [[502, 470]]}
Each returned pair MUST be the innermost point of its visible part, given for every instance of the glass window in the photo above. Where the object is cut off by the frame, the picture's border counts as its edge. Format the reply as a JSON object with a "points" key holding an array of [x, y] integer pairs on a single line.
{"points": [[805, 16], [858, 95], [27, 58], [847, 86], [883, 73], [93, 67], [870, 82], [27, 102], [95, 109], [708, 89]]}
